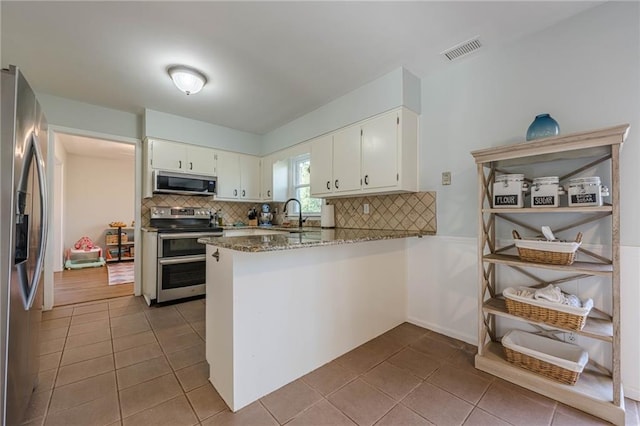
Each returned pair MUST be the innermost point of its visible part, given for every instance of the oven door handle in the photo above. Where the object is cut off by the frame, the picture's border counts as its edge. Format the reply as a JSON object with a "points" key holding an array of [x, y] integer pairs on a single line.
{"points": [[172, 236], [182, 259]]}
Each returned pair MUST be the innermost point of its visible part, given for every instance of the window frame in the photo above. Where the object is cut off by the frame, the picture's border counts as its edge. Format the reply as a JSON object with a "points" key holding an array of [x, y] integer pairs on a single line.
{"points": [[294, 186]]}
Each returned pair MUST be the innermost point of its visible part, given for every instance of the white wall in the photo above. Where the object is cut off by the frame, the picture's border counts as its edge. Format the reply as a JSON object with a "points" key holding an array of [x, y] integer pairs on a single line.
{"points": [[172, 127], [97, 191], [72, 114], [585, 73], [397, 88]]}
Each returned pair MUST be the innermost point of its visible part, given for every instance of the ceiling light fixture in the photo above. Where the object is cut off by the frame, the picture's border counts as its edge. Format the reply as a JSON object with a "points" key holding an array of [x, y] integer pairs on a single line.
{"points": [[189, 80]]}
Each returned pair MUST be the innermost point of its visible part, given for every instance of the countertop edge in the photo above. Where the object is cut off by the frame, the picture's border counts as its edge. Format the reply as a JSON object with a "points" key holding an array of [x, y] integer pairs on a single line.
{"points": [[259, 244]]}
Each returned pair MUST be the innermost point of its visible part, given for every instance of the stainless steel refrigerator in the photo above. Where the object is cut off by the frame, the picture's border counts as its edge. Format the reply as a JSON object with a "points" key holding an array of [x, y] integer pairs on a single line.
{"points": [[23, 237]]}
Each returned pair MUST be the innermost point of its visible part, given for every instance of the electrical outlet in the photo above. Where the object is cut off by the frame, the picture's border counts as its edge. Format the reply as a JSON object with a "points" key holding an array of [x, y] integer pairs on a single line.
{"points": [[365, 208], [570, 337], [446, 178]]}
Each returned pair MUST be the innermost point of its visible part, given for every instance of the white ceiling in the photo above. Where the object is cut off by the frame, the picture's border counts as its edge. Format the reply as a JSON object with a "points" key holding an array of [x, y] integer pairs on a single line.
{"points": [[90, 147], [268, 62]]}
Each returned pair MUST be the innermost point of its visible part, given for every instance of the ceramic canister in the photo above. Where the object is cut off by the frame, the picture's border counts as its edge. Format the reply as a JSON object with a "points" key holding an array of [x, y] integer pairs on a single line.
{"points": [[508, 191], [545, 191], [586, 191]]}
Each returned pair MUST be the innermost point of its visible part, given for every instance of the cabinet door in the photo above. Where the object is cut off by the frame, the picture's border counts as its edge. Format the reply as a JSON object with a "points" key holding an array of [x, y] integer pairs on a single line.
{"points": [[201, 160], [322, 166], [346, 160], [249, 177], [266, 178], [168, 155], [380, 152], [228, 175]]}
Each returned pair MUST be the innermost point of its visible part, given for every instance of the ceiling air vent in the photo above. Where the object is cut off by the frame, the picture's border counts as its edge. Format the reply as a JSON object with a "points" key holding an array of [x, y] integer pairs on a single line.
{"points": [[462, 49]]}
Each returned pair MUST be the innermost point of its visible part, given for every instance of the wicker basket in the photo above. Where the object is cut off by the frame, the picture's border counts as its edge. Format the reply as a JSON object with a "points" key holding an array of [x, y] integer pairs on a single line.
{"points": [[547, 256], [113, 239], [541, 367], [547, 315], [551, 366]]}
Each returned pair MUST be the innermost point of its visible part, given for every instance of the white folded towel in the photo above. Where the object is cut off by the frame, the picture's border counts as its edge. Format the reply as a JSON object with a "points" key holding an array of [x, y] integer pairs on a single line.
{"points": [[550, 293]]}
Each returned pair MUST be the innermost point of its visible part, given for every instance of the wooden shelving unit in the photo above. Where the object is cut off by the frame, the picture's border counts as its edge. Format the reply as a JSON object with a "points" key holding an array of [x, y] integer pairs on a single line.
{"points": [[122, 250], [599, 389]]}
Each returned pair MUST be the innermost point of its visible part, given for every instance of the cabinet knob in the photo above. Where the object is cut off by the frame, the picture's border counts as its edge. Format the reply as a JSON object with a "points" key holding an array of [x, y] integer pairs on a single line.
{"points": [[235, 192], [179, 164], [328, 184], [268, 193], [216, 255], [190, 165], [243, 193], [336, 184], [366, 179]]}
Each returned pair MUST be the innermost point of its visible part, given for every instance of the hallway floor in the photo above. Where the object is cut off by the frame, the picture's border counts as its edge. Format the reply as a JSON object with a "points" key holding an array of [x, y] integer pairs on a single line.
{"points": [[86, 285], [119, 362]]}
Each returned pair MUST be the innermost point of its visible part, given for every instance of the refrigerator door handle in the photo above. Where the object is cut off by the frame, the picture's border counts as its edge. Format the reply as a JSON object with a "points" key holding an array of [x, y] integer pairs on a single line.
{"points": [[44, 228]]}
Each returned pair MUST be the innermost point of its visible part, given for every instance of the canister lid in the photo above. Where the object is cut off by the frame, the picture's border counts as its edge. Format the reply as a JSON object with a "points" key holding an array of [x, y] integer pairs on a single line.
{"points": [[518, 177], [592, 180], [547, 180]]}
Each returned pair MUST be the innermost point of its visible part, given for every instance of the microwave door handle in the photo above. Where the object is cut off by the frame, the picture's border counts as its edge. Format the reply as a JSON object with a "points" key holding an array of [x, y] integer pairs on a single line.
{"points": [[44, 226]]}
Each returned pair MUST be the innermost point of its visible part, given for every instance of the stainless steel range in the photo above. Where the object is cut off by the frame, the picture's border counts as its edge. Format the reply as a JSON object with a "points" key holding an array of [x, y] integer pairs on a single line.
{"points": [[181, 264]]}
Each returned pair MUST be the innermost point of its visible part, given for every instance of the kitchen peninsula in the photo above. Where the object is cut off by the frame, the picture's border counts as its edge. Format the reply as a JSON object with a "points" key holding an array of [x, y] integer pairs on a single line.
{"points": [[279, 306]]}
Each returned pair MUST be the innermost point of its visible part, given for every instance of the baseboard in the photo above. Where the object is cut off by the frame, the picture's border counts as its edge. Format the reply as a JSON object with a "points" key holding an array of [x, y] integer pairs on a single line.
{"points": [[442, 330]]}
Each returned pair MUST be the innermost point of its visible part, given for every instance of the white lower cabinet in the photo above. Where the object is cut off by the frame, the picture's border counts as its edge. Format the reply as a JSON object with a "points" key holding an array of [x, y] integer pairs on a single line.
{"points": [[149, 265]]}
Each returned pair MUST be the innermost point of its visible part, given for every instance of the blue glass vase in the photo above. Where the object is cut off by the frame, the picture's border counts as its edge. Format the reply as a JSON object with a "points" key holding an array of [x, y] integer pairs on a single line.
{"points": [[543, 126]]}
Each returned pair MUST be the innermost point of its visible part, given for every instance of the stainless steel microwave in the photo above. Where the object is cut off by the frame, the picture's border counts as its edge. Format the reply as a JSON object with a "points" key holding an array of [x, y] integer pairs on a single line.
{"points": [[165, 182]]}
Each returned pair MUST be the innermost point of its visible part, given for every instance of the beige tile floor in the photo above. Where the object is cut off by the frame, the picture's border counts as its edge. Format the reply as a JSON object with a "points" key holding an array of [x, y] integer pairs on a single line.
{"points": [[119, 362]]}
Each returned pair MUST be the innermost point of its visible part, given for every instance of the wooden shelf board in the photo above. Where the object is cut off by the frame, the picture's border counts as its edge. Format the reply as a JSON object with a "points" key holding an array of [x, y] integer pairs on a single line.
{"points": [[128, 243], [595, 328], [577, 145], [594, 209], [590, 268], [592, 393]]}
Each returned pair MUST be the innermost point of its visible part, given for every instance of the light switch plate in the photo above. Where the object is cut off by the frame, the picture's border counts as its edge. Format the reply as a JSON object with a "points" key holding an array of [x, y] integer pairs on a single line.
{"points": [[365, 208], [446, 178]]}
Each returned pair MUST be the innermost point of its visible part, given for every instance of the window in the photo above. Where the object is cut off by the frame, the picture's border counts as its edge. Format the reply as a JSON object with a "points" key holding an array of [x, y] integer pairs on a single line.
{"points": [[300, 187]]}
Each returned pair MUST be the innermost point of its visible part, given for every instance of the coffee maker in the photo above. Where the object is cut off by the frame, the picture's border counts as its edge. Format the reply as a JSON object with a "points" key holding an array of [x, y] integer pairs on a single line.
{"points": [[265, 215]]}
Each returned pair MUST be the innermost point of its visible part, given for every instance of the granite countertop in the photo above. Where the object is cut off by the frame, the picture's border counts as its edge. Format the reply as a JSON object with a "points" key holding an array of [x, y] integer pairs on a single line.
{"points": [[305, 237]]}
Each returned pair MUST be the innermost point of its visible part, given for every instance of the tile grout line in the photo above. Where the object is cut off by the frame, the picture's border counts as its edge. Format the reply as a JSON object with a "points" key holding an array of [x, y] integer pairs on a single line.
{"points": [[115, 373]]}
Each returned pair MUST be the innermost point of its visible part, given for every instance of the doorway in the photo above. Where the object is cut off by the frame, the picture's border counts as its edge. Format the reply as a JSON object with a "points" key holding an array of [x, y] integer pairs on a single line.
{"points": [[94, 188]]}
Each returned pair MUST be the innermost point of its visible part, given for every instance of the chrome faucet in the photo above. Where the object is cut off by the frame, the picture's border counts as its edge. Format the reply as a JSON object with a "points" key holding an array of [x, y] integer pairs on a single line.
{"points": [[299, 210]]}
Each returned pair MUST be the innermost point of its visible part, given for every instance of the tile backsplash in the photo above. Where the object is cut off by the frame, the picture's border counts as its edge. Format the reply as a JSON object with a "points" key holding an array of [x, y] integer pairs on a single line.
{"points": [[411, 211], [415, 211]]}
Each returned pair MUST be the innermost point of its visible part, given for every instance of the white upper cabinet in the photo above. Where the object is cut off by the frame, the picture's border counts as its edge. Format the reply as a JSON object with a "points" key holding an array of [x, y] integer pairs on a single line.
{"points": [[380, 152], [228, 175], [168, 155], [390, 152], [335, 163], [266, 179], [346, 160], [238, 176], [181, 157], [201, 160], [275, 178], [322, 166], [249, 177], [375, 156]]}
